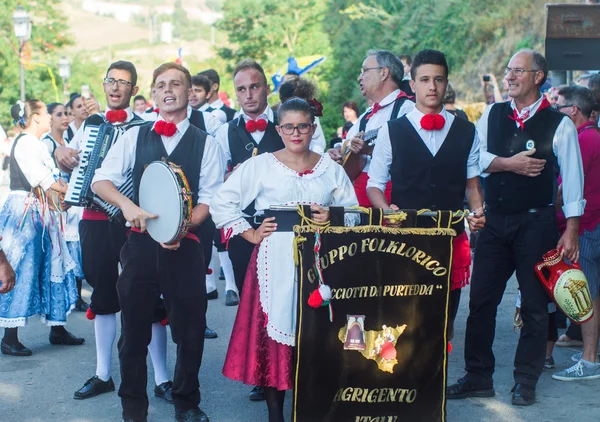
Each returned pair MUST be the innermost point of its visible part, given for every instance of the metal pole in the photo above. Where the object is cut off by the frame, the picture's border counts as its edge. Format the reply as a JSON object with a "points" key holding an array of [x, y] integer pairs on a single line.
{"points": [[22, 72]]}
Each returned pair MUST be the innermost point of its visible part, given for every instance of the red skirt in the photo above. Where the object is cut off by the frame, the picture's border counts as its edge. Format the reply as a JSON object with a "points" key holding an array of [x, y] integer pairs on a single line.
{"points": [[360, 187], [252, 356]]}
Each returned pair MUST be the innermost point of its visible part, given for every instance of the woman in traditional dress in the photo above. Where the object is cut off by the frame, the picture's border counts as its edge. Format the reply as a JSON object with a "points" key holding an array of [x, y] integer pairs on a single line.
{"points": [[59, 122], [263, 337], [32, 238]]}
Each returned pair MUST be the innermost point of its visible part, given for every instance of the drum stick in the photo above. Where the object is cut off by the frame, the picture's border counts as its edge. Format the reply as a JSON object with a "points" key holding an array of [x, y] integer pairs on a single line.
{"points": [[358, 211]]}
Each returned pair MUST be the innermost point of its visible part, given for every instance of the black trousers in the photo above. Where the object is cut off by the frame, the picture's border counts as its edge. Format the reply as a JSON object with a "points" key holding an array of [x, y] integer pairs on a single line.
{"points": [[206, 233], [240, 251], [101, 243], [508, 243], [149, 271]]}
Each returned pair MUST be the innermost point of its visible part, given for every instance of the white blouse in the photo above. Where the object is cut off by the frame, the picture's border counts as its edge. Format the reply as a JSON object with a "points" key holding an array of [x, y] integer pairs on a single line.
{"points": [[267, 181], [35, 161]]}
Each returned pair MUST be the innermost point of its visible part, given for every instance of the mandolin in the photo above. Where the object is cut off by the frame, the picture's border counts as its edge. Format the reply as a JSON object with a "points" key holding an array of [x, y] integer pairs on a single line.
{"points": [[355, 163]]}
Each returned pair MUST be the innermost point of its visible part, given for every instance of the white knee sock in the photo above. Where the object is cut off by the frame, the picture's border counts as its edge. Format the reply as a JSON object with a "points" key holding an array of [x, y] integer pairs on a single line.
{"points": [[158, 353], [227, 271], [105, 327], [211, 284]]}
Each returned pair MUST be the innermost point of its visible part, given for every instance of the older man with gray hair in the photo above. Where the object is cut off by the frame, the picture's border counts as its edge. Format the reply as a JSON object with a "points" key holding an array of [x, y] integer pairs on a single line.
{"points": [[379, 79]]}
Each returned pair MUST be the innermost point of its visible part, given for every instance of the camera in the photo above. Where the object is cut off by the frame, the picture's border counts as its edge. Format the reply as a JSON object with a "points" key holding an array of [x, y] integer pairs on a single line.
{"points": [[486, 78]]}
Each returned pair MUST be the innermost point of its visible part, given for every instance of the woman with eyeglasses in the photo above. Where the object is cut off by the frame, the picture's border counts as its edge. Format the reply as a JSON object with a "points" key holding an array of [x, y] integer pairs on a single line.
{"points": [[261, 346], [59, 122], [32, 238]]}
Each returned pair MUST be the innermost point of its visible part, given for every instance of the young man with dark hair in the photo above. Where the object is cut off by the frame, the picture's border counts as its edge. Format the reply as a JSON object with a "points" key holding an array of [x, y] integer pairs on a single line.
{"points": [[102, 240], [214, 102], [199, 98], [139, 105], [523, 142], [179, 271], [437, 177]]}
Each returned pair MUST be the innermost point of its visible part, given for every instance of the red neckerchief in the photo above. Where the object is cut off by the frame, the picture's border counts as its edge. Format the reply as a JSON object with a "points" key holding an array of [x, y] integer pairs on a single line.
{"points": [[377, 106], [521, 119], [433, 122]]}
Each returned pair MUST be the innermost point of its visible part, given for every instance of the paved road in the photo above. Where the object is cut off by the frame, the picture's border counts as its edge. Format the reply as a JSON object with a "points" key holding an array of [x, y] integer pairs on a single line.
{"points": [[40, 388]]}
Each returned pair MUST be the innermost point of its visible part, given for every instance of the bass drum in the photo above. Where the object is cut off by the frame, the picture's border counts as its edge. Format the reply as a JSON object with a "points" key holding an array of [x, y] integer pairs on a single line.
{"points": [[164, 191]]}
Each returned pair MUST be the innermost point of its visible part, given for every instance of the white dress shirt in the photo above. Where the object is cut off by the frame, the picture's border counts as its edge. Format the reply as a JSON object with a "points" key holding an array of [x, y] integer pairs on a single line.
{"points": [[75, 143], [211, 123], [217, 112], [121, 158], [379, 172], [380, 118], [35, 162], [565, 146]]}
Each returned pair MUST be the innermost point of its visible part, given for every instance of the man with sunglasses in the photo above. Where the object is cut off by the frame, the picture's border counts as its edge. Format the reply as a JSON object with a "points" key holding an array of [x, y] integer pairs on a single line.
{"points": [[380, 78], [102, 240], [522, 142]]}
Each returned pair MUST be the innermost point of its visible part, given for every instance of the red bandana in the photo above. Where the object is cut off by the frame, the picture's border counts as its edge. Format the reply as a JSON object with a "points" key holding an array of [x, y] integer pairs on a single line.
{"points": [[165, 128], [521, 120], [433, 122], [114, 116], [377, 106], [254, 125]]}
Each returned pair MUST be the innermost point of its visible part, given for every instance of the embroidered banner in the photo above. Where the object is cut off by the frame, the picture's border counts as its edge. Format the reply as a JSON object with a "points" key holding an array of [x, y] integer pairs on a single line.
{"points": [[383, 355]]}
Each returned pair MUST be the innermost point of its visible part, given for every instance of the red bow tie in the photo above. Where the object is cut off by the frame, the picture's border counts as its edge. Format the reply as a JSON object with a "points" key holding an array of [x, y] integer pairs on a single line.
{"points": [[156, 110], [254, 125], [165, 128], [433, 122], [116, 116], [377, 106]]}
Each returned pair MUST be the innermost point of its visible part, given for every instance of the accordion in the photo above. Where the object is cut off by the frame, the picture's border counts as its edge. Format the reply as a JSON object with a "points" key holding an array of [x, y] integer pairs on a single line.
{"points": [[97, 139]]}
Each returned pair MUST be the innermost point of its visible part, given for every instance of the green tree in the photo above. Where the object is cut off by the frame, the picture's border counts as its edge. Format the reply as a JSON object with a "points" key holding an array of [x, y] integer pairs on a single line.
{"points": [[49, 34]]}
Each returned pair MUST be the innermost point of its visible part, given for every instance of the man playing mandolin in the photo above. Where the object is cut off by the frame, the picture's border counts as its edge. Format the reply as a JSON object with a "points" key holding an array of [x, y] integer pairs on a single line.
{"points": [[379, 80]]}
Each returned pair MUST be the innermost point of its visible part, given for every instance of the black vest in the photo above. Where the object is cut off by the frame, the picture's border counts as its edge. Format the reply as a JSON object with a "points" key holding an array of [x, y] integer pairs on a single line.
{"points": [[241, 143], [187, 154], [18, 181], [197, 119], [421, 180], [395, 110], [229, 112], [508, 192]]}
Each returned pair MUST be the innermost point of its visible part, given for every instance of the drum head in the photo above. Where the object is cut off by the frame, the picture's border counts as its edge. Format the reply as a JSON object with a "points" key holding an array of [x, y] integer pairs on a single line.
{"points": [[161, 194]]}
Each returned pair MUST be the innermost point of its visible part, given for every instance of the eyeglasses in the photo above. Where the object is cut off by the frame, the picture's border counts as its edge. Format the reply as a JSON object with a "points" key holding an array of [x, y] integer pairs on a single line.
{"points": [[518, 72], [120, 82], [560, 107], [366, 69], [303, 128]]}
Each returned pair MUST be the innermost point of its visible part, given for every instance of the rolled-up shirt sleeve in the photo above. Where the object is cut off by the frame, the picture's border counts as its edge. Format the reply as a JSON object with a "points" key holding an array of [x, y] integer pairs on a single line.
{"points": [[119, 160], [379, 171], [485, 157], [211, 172], [473, 169], [565, 146]]}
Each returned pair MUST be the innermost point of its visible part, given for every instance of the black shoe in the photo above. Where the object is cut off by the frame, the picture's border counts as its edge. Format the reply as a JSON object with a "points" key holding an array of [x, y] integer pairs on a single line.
{"points": [[465, 388], [212, 295], [257, 394], [94, 387], [65, 338], [231, 298], [194, 415], [523, 395], [208, 333], [15, 349], [81, 305], [163, 391]]}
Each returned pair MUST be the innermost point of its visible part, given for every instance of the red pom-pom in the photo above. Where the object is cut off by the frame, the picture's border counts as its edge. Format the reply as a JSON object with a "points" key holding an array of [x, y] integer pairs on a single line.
{"points": [[251, 126], [89, 314], [315, 300], [209, 271], [164, 322], [261, 125], [449, 347], [388, 351], [170, 129], [433, 122]]}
